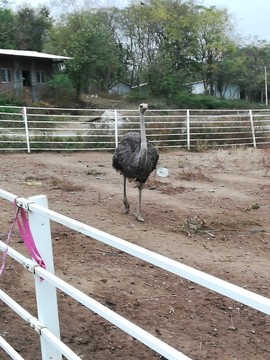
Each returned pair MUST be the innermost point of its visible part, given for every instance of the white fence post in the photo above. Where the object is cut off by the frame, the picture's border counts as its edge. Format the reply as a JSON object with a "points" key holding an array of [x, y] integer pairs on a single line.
{"points": [[46, 293], [188, 129], [116, 128], [252, 128], [24, 112]]}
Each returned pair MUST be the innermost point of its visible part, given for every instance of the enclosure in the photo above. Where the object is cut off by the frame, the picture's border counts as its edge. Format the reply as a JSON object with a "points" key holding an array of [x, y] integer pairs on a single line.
{"points": [[210, 213], [46, 129]]}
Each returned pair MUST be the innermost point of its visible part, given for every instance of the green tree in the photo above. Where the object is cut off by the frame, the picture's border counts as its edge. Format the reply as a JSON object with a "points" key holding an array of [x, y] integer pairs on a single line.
{"points": [[228, 71], [252, 61], [214, 43], [32, 28], [170, 43], [177, 38], [7, 29], [158, 40], [88, 40]]}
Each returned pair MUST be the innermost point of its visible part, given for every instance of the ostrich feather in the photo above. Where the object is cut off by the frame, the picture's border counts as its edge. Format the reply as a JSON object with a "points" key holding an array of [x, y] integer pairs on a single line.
{"points": [[127, 159]]}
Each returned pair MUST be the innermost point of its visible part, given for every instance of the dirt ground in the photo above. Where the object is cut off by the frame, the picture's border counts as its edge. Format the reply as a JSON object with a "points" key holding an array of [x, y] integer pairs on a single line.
{"points": [[211, 213]]}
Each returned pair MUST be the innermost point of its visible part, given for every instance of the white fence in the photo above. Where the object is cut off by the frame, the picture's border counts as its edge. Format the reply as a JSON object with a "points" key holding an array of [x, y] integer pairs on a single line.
{"points": [[42, 129], [47, 323]]}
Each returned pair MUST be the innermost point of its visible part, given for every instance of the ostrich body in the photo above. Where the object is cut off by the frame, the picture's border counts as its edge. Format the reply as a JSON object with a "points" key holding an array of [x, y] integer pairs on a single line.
{"points": [[135, 158]]}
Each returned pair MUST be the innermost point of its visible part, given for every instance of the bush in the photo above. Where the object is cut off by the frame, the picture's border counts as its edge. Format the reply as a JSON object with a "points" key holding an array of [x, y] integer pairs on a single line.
{"points": [[138, 95], [189, 101], [6, 100], [60, 90]]}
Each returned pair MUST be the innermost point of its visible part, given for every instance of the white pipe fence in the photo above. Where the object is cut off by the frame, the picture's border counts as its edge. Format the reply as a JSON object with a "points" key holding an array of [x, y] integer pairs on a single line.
{"points": [[47, 323], [44, 129]]}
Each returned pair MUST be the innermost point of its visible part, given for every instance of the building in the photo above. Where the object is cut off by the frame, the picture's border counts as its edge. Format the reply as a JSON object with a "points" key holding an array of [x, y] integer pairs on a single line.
{"points": [[119, 88], [229, 91], [25, 73]]}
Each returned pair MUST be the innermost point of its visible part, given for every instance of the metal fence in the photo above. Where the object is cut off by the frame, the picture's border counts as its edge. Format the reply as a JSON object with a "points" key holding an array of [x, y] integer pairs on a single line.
{"points": [[43, 129], [47, 323]]}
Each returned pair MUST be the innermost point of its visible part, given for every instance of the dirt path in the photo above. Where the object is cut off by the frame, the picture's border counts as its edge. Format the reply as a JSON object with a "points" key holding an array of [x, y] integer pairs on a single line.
{"points": [[211, 213]]}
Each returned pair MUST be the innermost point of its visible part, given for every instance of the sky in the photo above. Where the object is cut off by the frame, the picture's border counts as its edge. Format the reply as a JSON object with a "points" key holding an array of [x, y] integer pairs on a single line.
{"points": [[250, 17]]}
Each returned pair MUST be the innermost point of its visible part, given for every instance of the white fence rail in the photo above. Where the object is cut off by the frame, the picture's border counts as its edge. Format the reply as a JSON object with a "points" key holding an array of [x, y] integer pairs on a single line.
{"points": [[43, 129], [46, 325]]}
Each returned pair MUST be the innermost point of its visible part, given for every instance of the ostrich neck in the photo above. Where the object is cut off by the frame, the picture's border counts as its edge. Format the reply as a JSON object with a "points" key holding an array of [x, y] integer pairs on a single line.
{"points": [[143, 133], [142, 155]]}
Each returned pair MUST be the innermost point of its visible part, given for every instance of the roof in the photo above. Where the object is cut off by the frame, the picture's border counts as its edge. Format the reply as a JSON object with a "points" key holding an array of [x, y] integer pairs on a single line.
{"points": [[119, 82], [33, 54]]}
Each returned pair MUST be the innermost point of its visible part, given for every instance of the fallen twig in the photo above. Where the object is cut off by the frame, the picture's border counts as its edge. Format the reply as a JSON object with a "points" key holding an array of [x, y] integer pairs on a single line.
{"points": [[107, 252]]}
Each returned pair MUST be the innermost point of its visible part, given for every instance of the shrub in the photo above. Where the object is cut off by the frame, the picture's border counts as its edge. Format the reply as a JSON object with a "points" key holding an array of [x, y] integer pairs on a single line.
{"points": [[189, 101], [60, 90], [6, 100], [138, 95]]}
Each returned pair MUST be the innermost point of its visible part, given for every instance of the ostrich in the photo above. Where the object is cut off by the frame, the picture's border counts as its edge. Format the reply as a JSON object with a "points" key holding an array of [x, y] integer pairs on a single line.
{"points": [[135, 158]]}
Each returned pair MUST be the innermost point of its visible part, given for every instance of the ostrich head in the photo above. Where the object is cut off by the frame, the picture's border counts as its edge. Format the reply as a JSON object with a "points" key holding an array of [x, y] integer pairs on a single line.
{"points": [[143, 108]]}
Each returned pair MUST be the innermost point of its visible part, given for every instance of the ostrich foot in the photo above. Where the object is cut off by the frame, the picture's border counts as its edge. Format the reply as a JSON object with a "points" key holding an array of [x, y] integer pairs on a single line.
{"points": [[140, 218], [126, 207]]}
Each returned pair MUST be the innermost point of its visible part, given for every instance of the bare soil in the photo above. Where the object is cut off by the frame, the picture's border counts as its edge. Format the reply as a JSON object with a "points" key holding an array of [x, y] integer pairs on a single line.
{"points": [[211, 213]]}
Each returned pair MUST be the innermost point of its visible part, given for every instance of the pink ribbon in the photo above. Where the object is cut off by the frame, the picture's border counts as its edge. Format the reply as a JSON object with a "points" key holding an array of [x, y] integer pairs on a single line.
{"points": [[5, 252], [26, 235]]}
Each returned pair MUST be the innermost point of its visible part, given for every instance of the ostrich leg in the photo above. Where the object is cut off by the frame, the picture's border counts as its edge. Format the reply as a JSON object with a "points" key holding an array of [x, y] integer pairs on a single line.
{"points": [[139, 217], [125, 200]]}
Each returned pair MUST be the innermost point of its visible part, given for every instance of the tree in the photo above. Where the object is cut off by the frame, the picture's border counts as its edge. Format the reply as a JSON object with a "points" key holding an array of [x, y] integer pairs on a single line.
{"points": [[213, 43], [158, 37], [7, 29], [252, 60], [166, 43], [88, 40], [32, 28], [177, 38]]}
